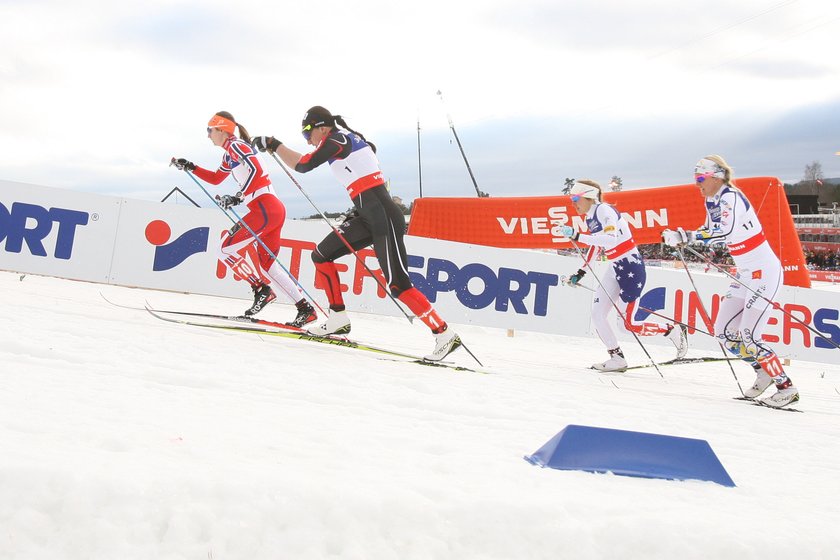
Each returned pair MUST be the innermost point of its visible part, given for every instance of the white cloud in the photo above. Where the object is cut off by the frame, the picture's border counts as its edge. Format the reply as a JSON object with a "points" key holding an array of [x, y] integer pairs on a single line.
{"points": [[99, 95]]}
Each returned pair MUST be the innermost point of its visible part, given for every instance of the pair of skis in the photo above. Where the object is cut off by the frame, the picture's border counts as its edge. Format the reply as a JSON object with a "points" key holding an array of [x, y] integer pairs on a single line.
{"points": [[254, 325], [682, 361]]}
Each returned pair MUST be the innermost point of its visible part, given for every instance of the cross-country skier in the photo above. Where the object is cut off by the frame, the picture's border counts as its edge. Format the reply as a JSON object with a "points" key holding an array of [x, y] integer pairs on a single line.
{"points": [[742, 318], [265, 217], [622, 285], [377, 220]]}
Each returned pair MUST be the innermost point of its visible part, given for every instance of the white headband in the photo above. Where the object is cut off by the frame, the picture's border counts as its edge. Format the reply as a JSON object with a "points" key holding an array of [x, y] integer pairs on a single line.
{"points": [[710, 169], [584, 191]]}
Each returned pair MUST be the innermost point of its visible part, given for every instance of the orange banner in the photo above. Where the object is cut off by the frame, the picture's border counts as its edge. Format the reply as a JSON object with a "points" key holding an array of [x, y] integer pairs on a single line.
{"points": [[534, 222]]}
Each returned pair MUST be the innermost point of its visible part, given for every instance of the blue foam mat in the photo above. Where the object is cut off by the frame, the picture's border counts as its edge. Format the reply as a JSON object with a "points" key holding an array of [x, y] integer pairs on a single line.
{"points": [[627, 453]]}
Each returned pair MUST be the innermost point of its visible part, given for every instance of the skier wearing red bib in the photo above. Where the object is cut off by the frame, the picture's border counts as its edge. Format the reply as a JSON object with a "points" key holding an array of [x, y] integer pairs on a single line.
{"points": [[743, 316], [265, 218], [377, 220], [622, 285]]}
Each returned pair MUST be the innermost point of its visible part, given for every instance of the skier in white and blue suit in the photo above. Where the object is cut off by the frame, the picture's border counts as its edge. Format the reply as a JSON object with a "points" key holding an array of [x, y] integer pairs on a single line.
{"points": [[625, 281], [745, 310]]}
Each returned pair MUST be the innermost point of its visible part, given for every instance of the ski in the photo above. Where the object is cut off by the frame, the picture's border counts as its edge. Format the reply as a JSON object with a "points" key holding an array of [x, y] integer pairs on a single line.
{"points": [[755, 402], [446, 364], [285, 331], [232, 318], [679, 362], [236, 319]]}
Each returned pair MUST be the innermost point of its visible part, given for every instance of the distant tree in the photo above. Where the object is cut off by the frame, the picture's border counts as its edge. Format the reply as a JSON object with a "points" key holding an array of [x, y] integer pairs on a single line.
{"points": [[568, 185], [813, 174], [332, 215], [615, 183]]}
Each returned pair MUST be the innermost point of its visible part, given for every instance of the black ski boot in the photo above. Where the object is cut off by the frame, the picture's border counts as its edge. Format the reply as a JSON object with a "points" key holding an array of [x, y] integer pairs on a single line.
{"points": [[305, 314], [263, 295]]}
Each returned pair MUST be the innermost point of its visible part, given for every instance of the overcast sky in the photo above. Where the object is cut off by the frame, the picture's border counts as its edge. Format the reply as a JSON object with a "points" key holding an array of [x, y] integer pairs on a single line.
{"points": [[97, 96]]}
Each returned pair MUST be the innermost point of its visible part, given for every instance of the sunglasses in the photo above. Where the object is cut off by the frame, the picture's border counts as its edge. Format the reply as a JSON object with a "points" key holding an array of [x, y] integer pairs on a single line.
{"points": [[576, 197], [307, 132], [703, 177]]}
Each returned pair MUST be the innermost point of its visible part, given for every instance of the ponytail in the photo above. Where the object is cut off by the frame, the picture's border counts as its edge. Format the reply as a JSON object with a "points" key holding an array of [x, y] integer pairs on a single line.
{"points": [[243, 133], [339, 120]]}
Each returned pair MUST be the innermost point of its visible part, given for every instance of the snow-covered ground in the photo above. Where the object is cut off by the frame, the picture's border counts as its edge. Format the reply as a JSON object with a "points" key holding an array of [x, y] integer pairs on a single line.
{"points": [[126, 437]]}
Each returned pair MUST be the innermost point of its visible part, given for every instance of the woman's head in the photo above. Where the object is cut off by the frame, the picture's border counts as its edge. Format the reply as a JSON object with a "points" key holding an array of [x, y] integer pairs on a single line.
{"points": [[584, 194], [316, 123], [222, 125], [711, 173]]}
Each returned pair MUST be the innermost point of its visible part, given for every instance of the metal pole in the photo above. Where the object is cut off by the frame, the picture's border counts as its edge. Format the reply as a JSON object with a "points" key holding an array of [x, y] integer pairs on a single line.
{"points": [[703, 307], [615, 306], [461, 148], [238, 220], [419, 165]]}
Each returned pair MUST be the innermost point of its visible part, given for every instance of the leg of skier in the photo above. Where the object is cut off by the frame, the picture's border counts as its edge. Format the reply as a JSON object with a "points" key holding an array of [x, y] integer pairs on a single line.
{"points": [[753, 323], [228, 252], [602, 306]]}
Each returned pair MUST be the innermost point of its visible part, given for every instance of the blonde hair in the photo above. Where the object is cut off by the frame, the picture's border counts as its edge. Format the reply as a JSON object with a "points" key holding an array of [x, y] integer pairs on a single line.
{"points": [[727, 170]]}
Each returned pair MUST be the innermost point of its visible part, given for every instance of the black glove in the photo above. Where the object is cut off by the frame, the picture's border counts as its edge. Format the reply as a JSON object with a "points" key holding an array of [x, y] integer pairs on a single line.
{"points": [[269, 143], [229, 200], [182, 164], [576, 277]]}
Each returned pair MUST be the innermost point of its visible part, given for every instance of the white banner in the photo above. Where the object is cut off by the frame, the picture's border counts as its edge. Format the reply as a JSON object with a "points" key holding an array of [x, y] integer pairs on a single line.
{"points": [[57, 232], [170, 247]]}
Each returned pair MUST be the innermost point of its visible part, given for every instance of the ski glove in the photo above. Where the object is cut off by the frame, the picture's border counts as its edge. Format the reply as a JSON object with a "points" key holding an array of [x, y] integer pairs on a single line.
{"points": [[575, 278], [567, 231], [266, 143], [182, 164], [675, 238], [228, 201]]}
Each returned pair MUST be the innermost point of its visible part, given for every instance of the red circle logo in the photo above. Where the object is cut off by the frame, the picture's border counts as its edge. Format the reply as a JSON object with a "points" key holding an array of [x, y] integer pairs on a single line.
{"points": [[158, 232]]}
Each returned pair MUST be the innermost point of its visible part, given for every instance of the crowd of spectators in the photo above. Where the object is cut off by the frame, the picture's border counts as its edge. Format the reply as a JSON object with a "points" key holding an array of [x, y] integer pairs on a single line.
{"points": [[717, 255], [815, 260], [823, 260], [661, 252]]}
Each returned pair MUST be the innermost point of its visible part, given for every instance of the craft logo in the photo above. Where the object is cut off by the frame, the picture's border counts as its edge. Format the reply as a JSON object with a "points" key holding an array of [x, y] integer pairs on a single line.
{"points": [[40, 222], [169, 254]]}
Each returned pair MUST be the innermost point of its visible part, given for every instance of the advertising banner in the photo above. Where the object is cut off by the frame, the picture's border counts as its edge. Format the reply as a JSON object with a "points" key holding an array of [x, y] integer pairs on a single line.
{"points": [[534, 222], [57, 232], [170, 247]]}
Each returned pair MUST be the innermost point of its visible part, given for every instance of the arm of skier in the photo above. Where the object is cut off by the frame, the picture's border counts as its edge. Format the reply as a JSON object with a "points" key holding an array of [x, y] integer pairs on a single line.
{"points": [[212, 177], [329, 148], [607, 238]]}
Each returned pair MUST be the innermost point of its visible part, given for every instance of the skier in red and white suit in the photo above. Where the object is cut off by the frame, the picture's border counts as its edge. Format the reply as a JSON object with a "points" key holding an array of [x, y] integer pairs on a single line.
{"points": [[377, 220], [623, 284], [265, 218], [743, 316]]}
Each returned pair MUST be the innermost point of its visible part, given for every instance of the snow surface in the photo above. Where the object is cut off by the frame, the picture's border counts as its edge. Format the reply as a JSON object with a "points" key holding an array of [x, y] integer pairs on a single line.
{"points": [[126, 437]]}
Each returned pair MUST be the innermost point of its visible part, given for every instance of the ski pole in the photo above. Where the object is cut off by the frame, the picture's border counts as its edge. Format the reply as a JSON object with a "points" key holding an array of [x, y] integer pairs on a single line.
{"points": [[765, 298], [620, 314], [703, 307], [564, 280], [238, 220], [461, 148], [342, 238]]}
